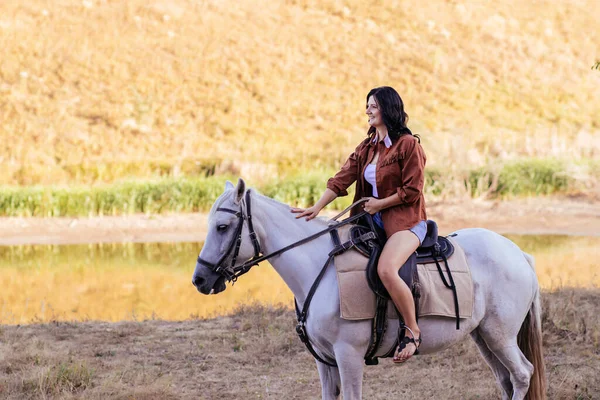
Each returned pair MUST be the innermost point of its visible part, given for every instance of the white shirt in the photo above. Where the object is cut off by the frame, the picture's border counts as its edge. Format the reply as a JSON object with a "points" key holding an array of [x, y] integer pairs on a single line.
{"points": [[370, 177], [370, 174]]}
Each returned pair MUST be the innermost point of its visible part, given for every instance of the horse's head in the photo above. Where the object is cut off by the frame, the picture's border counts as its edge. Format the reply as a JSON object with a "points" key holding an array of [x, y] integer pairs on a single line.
{"points": [[230, 241]]}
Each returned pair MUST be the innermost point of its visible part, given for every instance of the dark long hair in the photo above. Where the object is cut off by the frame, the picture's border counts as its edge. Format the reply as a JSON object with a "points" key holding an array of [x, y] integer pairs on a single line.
{"points": [[391, 107]]}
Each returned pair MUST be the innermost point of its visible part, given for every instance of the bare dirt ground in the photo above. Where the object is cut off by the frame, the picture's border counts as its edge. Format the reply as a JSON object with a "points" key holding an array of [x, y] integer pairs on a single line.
{"points": [[255, 354], [557, 215]]}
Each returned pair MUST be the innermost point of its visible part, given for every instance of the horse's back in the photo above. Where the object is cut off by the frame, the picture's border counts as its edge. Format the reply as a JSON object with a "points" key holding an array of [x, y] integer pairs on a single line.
{"points": [[501, 271], [504, 285], [489, 250]]}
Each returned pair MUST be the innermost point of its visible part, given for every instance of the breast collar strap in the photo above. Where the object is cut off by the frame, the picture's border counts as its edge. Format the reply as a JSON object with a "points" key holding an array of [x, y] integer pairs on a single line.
{"points": [[232, 273]]}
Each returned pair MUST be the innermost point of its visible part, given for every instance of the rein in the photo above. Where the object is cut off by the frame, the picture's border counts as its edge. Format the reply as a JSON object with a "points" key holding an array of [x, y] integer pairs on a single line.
{"points": [[233, 273]]}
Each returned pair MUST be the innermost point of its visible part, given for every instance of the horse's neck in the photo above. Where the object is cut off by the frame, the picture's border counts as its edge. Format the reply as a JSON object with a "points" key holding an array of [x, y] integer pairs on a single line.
{"points": [[299, 266]]}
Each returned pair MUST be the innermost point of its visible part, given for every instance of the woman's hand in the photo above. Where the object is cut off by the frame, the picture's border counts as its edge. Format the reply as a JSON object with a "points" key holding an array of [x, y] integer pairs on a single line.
{"points": [[313, 211], [309, 213], [373, 205]]}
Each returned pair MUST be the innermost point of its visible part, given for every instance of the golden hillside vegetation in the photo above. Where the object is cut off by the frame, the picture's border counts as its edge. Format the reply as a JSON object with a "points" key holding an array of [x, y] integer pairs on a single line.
{"points": [[99, 89]]}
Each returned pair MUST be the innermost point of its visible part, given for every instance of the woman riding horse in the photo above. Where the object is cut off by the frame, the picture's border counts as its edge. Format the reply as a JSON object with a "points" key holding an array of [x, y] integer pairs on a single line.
{"points": [[388, 168]]}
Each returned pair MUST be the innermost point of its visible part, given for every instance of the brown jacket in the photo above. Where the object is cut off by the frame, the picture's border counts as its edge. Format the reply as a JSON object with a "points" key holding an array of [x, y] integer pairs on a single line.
{"points": [[400, 169]]}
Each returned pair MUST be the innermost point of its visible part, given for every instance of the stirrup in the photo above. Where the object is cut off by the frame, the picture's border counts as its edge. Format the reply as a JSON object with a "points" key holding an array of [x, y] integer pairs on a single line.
{"points": [[406, 340]]}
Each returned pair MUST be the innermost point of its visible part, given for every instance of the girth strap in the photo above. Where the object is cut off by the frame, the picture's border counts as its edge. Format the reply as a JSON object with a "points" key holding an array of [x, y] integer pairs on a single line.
{"points": [[302, 315], [378, 328], [379, 322]]}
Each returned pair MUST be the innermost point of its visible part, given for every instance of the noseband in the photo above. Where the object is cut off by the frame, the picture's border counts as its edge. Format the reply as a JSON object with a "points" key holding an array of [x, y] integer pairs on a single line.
{"points": [[232, 273]]}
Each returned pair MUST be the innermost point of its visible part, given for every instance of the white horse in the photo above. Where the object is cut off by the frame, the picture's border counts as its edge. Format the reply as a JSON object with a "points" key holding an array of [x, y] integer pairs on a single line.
{"points": [[505, 323]]}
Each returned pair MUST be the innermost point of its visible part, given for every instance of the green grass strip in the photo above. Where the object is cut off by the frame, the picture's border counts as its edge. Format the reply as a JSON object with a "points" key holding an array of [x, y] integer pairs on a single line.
{"points": [[528, 177], [173, 195]]}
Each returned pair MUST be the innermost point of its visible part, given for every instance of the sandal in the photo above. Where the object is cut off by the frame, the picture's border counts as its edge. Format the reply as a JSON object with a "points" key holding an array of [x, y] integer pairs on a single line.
{"points": [[402, 343]]}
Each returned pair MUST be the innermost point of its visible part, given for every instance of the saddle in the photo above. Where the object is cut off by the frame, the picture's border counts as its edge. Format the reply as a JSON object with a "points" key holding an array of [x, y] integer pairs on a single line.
{"points": [[368, 239], [434, 248], [356, 291]]}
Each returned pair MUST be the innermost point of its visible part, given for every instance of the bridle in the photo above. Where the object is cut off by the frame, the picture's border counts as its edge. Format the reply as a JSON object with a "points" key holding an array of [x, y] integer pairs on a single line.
{"points": [[232, 273]]}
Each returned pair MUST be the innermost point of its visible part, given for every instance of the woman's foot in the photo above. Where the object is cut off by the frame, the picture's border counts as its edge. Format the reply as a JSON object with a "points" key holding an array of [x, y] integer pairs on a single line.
{"points": [[407, 346]]}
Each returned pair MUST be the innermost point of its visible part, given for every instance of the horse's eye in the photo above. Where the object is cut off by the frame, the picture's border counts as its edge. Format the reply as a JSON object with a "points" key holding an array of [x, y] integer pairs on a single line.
{"points": [[222, 227]]}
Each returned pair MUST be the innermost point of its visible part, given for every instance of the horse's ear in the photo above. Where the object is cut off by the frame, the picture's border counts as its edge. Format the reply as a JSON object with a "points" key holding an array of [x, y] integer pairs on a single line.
{"points": [[229, 185], [240, 190]]}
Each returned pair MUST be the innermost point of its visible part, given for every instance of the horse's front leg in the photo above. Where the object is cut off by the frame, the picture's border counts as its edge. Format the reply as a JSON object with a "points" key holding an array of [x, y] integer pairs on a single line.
{"points": [[330, 381], [350, 363]]}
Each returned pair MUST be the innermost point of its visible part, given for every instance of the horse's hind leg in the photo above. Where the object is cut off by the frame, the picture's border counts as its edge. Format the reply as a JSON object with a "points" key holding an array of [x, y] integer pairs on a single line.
{"points": [[519, 367], [330, 381], [500, 372], [506, 350]]}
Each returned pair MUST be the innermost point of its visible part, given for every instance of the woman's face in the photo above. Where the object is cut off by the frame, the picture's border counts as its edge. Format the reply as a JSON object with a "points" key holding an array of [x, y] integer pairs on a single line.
{"points": [[374, 113]]}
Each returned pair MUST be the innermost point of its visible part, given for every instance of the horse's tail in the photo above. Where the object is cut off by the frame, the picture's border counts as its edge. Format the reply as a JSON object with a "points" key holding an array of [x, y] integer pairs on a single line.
{"points": [[530, 343]]}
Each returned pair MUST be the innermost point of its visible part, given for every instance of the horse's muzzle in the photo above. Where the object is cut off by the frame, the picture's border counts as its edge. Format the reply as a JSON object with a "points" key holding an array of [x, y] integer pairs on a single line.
{"points": [[198, 281], [209, 285]]}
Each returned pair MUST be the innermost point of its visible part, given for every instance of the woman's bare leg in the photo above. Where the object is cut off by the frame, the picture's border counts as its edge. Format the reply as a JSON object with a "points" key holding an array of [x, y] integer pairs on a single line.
{"points": [[395, 253]]}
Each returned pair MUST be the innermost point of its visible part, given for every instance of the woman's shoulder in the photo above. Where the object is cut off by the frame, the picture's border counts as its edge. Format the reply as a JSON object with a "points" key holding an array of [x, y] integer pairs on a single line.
{"points": [[408, 143], [407, 140]]}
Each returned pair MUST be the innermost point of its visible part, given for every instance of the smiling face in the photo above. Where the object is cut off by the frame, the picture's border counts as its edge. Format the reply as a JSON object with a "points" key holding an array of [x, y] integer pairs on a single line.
{"points": [[374, 113]]}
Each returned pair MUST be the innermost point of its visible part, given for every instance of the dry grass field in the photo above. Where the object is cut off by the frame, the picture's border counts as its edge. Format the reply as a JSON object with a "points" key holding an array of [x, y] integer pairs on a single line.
{"points": [[97, 90], [255, 353]]}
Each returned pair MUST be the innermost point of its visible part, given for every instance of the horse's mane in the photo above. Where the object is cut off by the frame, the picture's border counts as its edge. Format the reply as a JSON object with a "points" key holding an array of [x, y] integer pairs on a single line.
{"points": [[321, 220], [228, 193]]}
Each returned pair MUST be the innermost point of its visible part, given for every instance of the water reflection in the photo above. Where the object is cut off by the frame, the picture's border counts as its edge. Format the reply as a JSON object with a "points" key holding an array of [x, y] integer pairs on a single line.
{"points": [[114, 282], [139, 281], [563, 261]]}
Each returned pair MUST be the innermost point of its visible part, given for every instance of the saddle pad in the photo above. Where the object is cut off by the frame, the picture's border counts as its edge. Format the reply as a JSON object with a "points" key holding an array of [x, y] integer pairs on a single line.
{"points": [[437, 299], [358, 301]]}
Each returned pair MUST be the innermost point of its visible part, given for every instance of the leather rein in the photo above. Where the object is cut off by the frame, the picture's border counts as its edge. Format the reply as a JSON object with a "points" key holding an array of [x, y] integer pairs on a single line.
{"points": [[233, 272]]}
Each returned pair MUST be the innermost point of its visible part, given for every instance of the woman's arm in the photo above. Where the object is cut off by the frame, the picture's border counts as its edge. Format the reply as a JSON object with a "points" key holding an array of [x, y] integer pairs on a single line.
{"points": [[336, 186], [413, 173], [346, 176], [375, 205], [313, 211]]}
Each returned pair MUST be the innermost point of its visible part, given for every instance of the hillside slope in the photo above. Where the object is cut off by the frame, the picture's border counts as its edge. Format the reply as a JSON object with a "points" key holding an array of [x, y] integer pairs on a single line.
{"points": [[97, 90]]}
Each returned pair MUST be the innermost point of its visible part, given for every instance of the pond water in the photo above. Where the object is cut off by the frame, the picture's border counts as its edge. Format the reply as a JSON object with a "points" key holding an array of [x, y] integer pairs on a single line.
{"points": [[114, 282]]}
